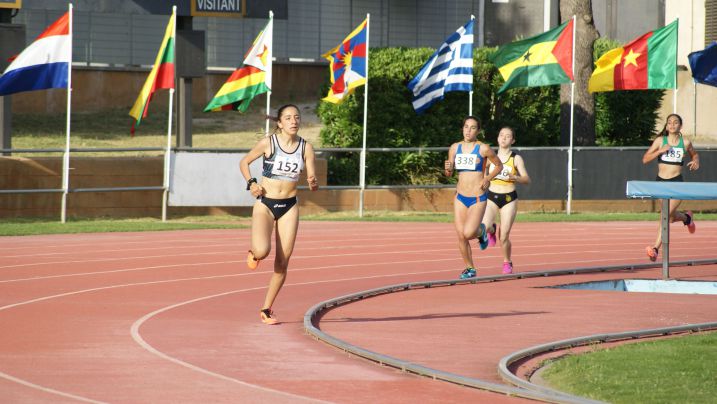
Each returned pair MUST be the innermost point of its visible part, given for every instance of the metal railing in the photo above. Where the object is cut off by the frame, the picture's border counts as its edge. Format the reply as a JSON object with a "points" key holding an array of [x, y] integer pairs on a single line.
{"points": [[319, 152]]}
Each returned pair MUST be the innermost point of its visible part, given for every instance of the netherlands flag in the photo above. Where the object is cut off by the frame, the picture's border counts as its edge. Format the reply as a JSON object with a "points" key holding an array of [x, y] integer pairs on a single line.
{"points": [[44, 64]]}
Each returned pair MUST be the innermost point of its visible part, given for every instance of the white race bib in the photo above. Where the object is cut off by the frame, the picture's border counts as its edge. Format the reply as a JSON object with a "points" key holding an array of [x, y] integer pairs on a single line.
{"points": [[287, 167], [674, 155], [466, 161], [505, 173]]}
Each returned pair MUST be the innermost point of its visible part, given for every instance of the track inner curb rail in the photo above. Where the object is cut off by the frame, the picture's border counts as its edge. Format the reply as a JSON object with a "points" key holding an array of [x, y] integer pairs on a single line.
{"points": [[518, 387]]}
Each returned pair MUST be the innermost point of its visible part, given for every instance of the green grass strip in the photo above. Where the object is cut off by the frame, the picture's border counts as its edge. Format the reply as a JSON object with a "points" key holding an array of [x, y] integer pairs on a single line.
{"points": [[22, 227], [26, 227], [675, 370]]}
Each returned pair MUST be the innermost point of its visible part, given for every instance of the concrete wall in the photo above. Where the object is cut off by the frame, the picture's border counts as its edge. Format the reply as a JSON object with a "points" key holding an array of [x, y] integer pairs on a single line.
{"points": [[696, 105], [91, 172]]}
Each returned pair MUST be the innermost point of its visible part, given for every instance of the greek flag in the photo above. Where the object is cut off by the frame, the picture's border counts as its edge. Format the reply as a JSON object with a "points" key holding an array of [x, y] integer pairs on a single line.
{"points": [[449, 69]]}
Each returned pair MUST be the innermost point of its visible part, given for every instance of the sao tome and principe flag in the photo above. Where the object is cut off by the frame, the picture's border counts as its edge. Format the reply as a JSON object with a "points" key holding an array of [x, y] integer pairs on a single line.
{"points": [[161, 76], [648, 62], [43, 64], [251, 79], [347, 65], [542, 60]]}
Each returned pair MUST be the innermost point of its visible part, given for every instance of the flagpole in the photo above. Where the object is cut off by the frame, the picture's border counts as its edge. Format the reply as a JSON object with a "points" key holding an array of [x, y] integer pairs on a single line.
{"points": [[66, 155], [268, 93], [694, 111], [674, 93], [572, 120], [362, 175], [168, 150], [470, 93]]}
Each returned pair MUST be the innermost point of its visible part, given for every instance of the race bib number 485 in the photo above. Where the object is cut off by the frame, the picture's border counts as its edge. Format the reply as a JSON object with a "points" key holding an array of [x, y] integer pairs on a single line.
{"points": [[466, 161]]}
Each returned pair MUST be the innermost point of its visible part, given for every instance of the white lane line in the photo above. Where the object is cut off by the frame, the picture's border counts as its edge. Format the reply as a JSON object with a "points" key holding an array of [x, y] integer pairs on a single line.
{"points": [[321, 248], [134, 331], [137, 337], [47, 389], [11, 378], [242, 234], [222, 263], [452, 257]]}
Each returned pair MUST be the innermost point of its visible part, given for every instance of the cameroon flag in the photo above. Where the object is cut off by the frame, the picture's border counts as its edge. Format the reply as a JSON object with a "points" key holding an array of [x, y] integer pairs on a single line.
{"points": [[542, 60], [648, 62]]}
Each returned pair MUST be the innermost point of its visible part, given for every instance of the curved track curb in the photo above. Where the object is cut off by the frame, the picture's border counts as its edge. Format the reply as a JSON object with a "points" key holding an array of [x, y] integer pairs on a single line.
{"points": [[508, 360], [522, 388]]}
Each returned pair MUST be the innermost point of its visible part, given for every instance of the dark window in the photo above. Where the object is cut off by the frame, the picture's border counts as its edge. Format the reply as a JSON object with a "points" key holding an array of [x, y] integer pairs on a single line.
{"points": [[710, 21]]}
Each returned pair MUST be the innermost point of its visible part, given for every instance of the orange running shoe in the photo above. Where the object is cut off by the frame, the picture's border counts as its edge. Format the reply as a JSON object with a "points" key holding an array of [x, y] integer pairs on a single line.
{"points": [[652, 253], [251, 262], [267, 317]]}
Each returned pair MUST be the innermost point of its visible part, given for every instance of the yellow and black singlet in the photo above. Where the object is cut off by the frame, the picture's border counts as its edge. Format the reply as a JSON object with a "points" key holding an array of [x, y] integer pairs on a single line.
{"points": [[508, 170]]}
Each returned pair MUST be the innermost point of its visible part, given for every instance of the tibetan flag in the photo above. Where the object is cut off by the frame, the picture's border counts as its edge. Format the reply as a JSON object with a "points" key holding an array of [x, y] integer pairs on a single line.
{"points": [[44, 64], [450, 68], [250, 80], [161, 76], [704, 65], [648, 62], [347, 64], [542, 60]]}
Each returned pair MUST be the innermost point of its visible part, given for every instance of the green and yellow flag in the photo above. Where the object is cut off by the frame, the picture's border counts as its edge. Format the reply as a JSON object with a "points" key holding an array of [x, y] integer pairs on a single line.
{"points": [[542, 60], [161, 76]]}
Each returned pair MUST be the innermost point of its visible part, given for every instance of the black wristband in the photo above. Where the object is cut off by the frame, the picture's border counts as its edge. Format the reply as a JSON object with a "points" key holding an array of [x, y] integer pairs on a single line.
{"points": [[249, 182]]}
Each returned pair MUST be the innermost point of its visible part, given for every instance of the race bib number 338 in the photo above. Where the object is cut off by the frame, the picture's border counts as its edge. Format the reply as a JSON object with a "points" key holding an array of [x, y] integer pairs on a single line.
{"points": [[465, 161]]}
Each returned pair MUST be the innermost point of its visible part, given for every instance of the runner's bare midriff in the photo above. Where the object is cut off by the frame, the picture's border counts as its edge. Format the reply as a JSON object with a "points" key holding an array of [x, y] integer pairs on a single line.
{"points": [[469, 183], [278, 189], [667, 171]]}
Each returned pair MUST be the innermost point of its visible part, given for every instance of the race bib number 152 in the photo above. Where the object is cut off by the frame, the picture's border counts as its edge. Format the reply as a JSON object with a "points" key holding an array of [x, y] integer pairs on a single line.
{"points": [[287, 167]]}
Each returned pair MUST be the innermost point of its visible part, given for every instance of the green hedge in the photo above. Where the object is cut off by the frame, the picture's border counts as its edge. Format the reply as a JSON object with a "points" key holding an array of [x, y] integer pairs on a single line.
{"points": [[533, 112]]}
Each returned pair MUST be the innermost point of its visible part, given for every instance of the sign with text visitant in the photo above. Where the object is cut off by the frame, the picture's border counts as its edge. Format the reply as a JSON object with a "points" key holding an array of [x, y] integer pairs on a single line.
{"points": [[218, 8]]}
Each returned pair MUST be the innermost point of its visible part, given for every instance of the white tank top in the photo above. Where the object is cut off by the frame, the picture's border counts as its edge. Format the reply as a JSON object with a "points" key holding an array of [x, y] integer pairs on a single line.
{"points": [[283, 165]]}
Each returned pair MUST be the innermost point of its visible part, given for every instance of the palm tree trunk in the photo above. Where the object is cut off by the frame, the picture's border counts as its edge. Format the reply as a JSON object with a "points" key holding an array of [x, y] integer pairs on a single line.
{"points": [[586, 34]]}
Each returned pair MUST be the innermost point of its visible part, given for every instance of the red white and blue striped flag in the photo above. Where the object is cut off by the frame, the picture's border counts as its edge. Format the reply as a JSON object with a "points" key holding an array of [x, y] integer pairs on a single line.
{"points": [[44, 64]]}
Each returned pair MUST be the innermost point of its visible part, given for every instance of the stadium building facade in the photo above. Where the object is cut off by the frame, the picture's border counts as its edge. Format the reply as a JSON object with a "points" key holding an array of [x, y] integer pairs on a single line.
{"points": [[114, 40]]}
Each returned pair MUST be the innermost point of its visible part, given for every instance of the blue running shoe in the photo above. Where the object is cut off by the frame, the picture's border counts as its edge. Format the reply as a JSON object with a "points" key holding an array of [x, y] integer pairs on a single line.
{"points": [[482, 237], [468, 273]]}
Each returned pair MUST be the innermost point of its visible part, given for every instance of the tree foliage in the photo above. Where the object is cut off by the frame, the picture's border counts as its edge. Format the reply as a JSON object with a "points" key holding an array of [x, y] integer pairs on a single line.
{"points": [[534, 114]]}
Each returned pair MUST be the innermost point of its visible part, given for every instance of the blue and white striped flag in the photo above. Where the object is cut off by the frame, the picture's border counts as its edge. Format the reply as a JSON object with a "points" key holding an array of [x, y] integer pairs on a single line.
{"points": [[449, 69]]}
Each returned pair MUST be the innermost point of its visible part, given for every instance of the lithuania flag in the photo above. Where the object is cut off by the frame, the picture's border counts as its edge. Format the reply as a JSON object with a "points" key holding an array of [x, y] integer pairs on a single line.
{"points": [[542, 60], [161, 76], [648, 62]]}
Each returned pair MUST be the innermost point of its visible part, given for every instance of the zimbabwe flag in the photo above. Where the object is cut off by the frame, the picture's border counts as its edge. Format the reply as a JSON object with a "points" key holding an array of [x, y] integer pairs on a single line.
{"points": [[251, 79], [648, 62], [542, 60]]}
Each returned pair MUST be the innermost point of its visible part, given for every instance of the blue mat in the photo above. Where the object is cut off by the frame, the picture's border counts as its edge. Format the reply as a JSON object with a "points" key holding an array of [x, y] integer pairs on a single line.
{"points": [[672, 190]]}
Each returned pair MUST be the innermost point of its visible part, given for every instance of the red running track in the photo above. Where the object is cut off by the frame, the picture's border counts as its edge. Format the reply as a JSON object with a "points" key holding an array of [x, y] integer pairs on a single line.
{"points": [[173, 316]]}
